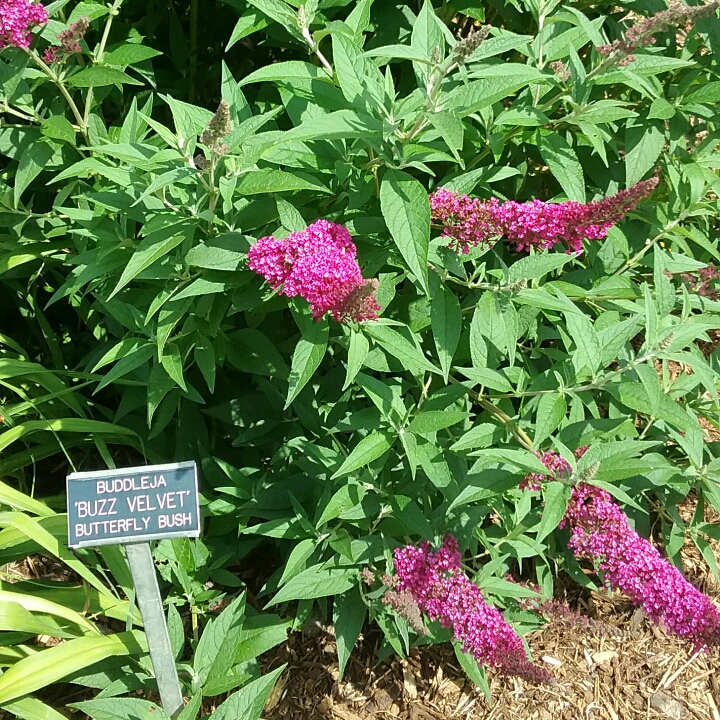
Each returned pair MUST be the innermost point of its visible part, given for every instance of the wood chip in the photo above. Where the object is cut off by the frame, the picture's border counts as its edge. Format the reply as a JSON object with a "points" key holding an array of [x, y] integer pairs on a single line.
{"points": [[604, 656], [668, 706]]}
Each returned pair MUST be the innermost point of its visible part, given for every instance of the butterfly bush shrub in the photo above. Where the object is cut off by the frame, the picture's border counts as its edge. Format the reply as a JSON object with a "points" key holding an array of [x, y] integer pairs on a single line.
{"points": [[429, 290]]}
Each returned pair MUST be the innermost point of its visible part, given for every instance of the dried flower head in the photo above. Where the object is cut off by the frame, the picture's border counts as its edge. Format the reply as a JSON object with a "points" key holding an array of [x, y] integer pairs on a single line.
{"points": [[641, 33], [468, 45], [220, 126], [560, 70], [69, 41], [403, 603], [18, 18], [703, 281]]}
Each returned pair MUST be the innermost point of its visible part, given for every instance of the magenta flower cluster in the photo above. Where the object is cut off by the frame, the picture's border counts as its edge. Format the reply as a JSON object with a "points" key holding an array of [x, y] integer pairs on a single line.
{"points": [[441, 589], [600, 532], [320, 265], [468, 222], [17, 19]]}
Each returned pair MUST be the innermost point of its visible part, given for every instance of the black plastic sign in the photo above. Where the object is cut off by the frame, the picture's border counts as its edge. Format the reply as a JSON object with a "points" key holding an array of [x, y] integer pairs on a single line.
{"points": [[131, 505]]}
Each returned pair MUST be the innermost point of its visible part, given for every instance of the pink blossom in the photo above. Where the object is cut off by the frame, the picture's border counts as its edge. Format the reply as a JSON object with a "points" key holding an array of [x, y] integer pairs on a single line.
{"points": [[436, 581], [558, 466], [600, 532], [468, 222], [320, 265], [17, 19]]}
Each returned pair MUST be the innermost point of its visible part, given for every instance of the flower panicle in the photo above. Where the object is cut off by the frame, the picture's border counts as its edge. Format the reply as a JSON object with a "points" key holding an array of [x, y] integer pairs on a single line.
{"points": [[437, 583], [470, 222], [642, 33], [600, 532], [320, 265], [18, 18], [220, 126]]}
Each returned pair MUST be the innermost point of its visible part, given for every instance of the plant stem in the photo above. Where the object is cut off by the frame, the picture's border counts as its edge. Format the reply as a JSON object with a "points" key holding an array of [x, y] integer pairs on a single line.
{"points": [[522, 437], [649, 244], [316, 49], [114, 10], [61, 86]]}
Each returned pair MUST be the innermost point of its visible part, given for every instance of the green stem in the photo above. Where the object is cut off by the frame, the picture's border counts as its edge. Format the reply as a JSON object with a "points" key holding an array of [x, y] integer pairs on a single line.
{"points": [[649, 244], [114, 10], [61, 86]]}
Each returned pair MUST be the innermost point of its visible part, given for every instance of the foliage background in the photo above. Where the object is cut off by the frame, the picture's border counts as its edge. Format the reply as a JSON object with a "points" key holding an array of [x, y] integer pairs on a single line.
{"points": [[133, 331]]}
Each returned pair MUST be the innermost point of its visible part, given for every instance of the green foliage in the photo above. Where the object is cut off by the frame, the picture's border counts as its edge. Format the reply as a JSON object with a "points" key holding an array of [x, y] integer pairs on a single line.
{"points": [[134, 331]]}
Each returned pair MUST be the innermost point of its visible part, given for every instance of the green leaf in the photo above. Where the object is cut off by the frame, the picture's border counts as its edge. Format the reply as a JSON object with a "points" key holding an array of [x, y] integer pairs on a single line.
{"points": [[425, 38], [173, 364], [643, 145], [99, 76], [316, 582], [406, 209], [409, 354], [532, 267], [357, 352], [152, 248], [481, 436], [248, 702], [280, 13], [286, 72], [259, 634], [58, 127], [214, 654], [252, 352], [563, 163], [32, 161], [269, 180], [30, 708], [346, 498], [368, 449], [121, 709], [349, 611], [470, 665], [52, 664], [556, 496], [129, 54], [434, 420], [205, 360], [550, 413], [446, 321], [480, 94], [588, 352], [307, 357]]}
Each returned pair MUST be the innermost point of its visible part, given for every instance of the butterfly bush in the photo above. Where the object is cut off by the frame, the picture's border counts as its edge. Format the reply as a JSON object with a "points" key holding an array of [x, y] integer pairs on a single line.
{"points": [[441, 589], [468, 222], [320, 265], [17, 20], [600, 532]]}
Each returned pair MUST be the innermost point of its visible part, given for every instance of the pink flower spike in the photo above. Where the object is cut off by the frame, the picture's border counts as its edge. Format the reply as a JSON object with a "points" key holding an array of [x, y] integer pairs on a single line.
{"points": [[441, 589], [600, 532], [320, 265], [17, 20], [469, 222]]}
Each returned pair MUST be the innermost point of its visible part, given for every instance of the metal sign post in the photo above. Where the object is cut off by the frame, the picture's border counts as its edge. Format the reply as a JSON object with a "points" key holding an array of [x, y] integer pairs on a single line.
{"points": [[132, 506]]}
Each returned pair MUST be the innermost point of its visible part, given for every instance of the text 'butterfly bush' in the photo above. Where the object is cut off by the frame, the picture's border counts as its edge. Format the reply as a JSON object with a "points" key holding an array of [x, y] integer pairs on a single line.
{"points": [[468, 222], [17, 19], [320, 265], [441, 589], [600, 532]]}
